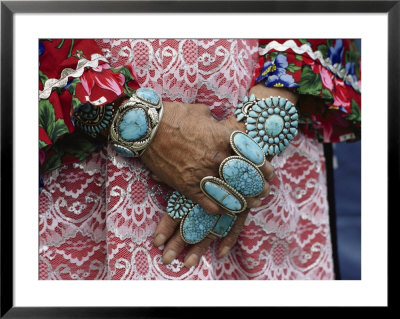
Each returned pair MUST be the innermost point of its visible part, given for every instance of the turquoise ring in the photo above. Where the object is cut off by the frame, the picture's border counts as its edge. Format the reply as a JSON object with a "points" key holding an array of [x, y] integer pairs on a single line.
{"points": [[195, 223], [242, 175], [244, 145], [179, 205], [223, 194], [272, 122], [198, 224]]}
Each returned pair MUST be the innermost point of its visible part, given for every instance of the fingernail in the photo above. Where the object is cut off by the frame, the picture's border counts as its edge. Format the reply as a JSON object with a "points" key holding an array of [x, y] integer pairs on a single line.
{"points": [[271, 177], [169, 256], [224, 251], [192, 260], [159, 239]]}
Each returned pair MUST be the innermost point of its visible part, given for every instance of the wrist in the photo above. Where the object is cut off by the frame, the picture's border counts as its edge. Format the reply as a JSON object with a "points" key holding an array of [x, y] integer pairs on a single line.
{"points": [[261, 91]]}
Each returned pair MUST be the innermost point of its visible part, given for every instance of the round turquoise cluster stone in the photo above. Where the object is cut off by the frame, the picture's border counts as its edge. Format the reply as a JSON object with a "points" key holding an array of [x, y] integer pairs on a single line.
{"points": [[179, 205]]}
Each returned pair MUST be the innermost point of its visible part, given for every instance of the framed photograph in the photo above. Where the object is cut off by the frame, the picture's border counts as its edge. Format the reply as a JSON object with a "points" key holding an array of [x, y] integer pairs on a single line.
{"points": [[36, 278]]}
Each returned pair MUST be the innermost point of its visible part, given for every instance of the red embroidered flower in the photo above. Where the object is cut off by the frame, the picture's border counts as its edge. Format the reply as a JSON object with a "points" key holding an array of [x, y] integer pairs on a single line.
{"points": [[100, 85], [341, 96], [326, 75]]}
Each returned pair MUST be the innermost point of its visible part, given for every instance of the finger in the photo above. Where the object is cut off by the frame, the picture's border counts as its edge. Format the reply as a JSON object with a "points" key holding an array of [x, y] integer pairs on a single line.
{"points": [[253, 202], [268, 171], [173, 248], [156, 178], [196, 251], [265, 192], [230, 240], [165, 229]]}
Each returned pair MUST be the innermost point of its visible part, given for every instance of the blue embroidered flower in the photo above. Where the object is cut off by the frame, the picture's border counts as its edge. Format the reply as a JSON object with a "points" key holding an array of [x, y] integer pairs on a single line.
{"points": [[350, 70], [284, 80], [335, 53], [41, 48], [274, 73]]}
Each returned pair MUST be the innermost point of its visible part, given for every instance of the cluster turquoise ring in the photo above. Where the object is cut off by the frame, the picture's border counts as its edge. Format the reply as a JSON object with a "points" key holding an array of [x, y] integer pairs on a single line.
{"points": [[272, 122]]}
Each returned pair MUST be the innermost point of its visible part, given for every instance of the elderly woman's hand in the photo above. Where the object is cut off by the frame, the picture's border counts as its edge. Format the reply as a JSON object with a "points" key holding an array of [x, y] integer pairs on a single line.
{"points": [[189, 145]]}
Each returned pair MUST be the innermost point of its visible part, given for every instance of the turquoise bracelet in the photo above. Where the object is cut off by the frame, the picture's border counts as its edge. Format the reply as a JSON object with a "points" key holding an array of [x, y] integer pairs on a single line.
{"points": [[136, 122]]}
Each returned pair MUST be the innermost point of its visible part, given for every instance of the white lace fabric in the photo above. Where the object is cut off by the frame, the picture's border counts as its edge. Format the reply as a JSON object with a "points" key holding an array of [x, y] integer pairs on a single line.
{"points": [[97, 217]]}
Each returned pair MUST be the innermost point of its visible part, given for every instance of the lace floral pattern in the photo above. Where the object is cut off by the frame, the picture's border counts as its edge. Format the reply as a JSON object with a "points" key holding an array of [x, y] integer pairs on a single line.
{"points": [[97, 217]]}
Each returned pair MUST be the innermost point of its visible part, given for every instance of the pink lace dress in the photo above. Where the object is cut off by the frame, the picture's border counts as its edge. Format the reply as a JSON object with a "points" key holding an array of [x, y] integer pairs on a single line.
{"points": [[97, 217]]}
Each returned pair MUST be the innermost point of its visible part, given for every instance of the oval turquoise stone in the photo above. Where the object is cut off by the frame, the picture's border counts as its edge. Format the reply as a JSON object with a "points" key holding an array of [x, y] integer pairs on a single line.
{"points": [[122, 151], [224, 224], [197, 224], [148, 95], [248, 148], [222, 196], [274, 125], [133, 125], [243, 177]]}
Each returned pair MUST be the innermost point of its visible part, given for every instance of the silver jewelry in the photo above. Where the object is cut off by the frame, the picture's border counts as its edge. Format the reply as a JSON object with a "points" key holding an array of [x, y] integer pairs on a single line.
{"points": [[136, 122], [271, 122]]}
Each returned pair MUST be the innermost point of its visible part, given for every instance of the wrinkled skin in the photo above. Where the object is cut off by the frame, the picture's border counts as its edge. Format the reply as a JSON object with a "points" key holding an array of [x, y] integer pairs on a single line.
{"points": [[189, 145]]}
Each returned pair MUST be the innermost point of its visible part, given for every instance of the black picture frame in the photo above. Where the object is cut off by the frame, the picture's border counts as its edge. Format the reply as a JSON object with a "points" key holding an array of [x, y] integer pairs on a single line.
{"points": [[9, 8]]}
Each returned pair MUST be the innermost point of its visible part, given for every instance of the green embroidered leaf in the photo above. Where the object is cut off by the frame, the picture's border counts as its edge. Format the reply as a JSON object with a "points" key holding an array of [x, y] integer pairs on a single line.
{"points": [[303, 41], [329, 42], [78, 145], [351, 56], [323, 48], [46, 116], [52, 162], [75, 103], [42, 144], [310, 82], [43, 77], [59, 129], [355, 115], [299, 57], [292, 68], [327, 95], [273, 55], [125, 71], [72, 87]]}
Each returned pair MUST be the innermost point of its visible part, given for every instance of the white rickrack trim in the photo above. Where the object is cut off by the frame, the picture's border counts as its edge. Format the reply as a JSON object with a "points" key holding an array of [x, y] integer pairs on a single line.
{"points": [[315, 55], [68, 72]]}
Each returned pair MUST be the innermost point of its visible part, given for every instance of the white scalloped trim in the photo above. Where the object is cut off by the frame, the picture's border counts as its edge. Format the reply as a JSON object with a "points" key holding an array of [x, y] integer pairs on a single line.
{"points": [[315, 55], [68, 72]]}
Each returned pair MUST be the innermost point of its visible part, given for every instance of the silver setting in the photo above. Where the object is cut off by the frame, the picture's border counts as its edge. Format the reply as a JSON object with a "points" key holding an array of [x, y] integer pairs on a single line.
{"points": [[226, 187], [154, 113], [256, 112], [182, 225], [179, 205], [237, 151]]}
